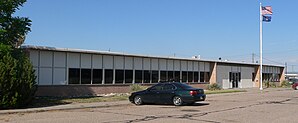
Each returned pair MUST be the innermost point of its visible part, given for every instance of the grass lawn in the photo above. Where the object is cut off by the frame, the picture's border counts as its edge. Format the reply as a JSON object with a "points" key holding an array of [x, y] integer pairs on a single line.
{"points": [[51, 101]]}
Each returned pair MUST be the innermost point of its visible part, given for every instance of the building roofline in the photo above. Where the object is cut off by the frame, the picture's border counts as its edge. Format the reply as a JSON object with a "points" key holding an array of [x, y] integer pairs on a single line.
{"points": [[46, 48]]}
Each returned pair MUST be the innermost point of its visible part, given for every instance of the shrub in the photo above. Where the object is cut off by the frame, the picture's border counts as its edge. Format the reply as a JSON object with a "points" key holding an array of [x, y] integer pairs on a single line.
{"points": [[137, 87], [285, 84], [214, 86], [17, 78], [272, 85]]}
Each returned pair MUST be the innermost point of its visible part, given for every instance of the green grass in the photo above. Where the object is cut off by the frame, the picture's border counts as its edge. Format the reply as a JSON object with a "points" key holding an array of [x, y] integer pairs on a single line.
{"points": [[51, 101], [223, 91]]}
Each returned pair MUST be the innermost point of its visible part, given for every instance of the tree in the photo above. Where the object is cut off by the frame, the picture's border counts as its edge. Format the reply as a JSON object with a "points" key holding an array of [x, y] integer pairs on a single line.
{"points": [[13, 29], [17, 78]]}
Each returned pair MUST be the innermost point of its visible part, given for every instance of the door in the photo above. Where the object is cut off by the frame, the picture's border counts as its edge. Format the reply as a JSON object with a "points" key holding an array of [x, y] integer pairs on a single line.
{"points": [[153, 94], [167, 93], [235, 78]]}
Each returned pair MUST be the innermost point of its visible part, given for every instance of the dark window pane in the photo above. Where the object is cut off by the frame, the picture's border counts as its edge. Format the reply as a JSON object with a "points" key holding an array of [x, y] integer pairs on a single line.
{"points": [[202, 75], [119, 76], [196, 76], [253, 77], [128, 76], [184, 76], [167, 87], [74, 76], [156, 88], [86, 76], [154, 76], [177, 76], [97, 76], [190, 76], [171, 76], [163, 76], [138, 76], [207, 76], [108, 76], [146, 76]]}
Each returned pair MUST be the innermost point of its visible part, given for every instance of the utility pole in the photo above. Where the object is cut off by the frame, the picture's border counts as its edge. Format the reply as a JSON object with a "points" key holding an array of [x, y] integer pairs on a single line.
{"points": [[286, 67]]}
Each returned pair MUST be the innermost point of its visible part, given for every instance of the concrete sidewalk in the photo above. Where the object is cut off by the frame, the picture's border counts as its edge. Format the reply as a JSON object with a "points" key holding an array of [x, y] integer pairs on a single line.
{"points": [[67, 107]]}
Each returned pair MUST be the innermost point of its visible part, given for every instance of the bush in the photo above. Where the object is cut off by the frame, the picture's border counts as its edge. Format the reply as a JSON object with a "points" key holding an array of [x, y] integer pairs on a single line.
{"points": [[137, 87], [285, 84], [214, 86], [17, 78]]}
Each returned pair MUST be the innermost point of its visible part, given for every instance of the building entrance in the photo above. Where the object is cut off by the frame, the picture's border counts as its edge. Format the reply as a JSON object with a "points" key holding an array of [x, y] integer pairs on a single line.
{"points": [[235, 78]]}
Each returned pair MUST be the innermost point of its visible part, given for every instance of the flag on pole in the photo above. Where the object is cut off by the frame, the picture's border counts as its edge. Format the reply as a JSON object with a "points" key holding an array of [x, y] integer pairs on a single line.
{"points": [[267, 10], [266, 18]]}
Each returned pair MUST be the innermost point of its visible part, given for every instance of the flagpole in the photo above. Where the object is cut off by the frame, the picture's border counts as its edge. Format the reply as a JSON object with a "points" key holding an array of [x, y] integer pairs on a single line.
{"points": [[261, 48]]}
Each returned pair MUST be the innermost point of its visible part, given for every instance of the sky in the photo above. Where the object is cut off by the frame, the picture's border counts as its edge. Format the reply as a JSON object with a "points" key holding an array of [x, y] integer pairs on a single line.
{"points": [[227, 29]]}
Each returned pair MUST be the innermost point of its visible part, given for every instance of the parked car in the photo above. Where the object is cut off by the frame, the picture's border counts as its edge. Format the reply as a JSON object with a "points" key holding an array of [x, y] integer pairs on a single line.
{"points": [[168, 93], [295, 85]]}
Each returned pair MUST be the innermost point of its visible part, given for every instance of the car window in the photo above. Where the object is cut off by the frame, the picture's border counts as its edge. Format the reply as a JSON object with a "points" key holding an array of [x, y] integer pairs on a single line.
{"points": [[184, 86], [168, 87], [156, 88]]}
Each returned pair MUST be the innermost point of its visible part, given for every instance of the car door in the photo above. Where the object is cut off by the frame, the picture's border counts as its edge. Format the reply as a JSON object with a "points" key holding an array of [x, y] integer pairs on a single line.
{"points": [[167, 93], [152, 94]]}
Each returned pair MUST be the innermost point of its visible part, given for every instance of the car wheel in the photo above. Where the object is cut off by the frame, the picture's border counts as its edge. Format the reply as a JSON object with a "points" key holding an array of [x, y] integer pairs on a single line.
{"points": [[138, 100], [177, 101], [296, 87]]}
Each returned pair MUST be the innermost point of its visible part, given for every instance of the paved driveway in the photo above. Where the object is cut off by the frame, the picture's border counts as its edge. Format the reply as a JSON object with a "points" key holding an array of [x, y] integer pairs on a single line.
{"points": [[270, 105]]}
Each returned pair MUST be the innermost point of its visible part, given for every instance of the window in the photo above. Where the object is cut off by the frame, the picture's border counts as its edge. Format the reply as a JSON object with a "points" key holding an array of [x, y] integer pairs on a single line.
{"points": [[156, 88], [167, 87], [138, 76], [74, 76], [190, 76], [196, 77], [163, 76], [85, 76], [170, 76], [108, 76], [128, 76], [202, 76], [177, 76], [119, 76], [207, 77], [146, 76], [253, 77], [154, 76], [184, 76], [97, 76]]}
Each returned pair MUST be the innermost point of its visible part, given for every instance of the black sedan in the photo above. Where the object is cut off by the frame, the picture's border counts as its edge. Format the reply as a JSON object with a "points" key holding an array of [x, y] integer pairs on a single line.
{"points": [[170, 92]]}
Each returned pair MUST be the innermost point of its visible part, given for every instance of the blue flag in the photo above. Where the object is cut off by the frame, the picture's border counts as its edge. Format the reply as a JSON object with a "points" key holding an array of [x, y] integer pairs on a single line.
{"points": [[266, 18]]}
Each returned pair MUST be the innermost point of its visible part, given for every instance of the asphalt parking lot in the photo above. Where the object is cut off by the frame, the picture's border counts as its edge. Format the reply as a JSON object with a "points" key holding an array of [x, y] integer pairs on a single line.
{"points": [[268, 106]]}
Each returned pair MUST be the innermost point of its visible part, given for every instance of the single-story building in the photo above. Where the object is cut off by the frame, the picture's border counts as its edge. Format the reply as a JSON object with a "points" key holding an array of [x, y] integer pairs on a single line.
{"points": [[75, 72]]}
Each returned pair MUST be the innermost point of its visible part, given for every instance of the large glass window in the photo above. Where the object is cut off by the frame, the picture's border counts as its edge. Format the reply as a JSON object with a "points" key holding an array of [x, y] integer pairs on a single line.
{"points": [[138, 76], [171, 76], [196, 77], [163, 76], [177, 76], [202, 74], [108, 76], [74, 76], [128, 76], [184, 76], [85, 76], [154, 76], [146, 76], [119, 76], [190, 76], [207, 77], [97, 76]]}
